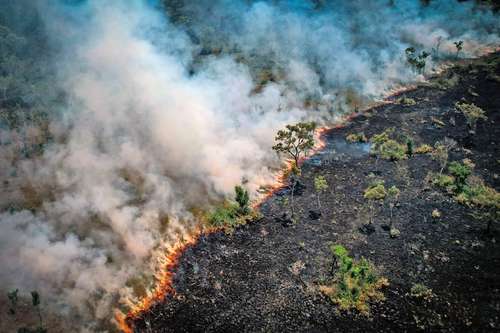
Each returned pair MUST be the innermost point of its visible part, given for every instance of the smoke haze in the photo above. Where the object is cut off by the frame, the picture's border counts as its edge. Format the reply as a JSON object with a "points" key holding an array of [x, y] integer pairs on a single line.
{"points": [[162, 115]]}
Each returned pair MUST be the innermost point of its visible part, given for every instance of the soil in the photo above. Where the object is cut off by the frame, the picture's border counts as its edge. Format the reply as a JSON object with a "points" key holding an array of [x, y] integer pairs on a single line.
{"points": [[265, 275]]}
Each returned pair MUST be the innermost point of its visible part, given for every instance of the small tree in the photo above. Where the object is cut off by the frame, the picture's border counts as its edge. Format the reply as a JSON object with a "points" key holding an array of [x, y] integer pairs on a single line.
{"points": [[242, 198], [375, 192], [459, 46], [392, 197], [472, 114], [320, 185], [295, 141]]}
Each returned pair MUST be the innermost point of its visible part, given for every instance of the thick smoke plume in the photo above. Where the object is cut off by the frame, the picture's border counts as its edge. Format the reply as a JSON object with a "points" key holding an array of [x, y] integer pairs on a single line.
{"points": [[162, 116]]}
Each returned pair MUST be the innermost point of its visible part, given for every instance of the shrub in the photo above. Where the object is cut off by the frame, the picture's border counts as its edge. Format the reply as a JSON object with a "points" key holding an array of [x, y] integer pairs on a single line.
{"points": [[355, 284], [436, 214], [356, 137], [472, 114], [445, 182], [376, 191], [419, 290], [392, 150], [407, 101], [378, 139], [423, 149]]}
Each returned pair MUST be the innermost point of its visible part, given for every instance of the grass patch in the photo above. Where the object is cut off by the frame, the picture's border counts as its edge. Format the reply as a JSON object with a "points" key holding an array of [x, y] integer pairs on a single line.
{"points": [[355, 284], [230, 214]]}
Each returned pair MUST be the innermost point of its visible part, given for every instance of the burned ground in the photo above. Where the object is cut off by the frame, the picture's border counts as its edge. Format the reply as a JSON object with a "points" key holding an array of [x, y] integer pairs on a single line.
{"points": [[265, 275]]}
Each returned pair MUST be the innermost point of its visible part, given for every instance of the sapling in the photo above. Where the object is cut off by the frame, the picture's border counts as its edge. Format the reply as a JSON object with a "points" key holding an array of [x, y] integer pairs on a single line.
{"points": [[320, 185], [409, 147], [440, 152], [242, 198], [375, 192], [392, 197]]}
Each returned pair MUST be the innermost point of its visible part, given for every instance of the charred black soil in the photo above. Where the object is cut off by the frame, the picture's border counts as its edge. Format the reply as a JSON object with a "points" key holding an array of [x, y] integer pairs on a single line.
{"points": [[265, 275]]}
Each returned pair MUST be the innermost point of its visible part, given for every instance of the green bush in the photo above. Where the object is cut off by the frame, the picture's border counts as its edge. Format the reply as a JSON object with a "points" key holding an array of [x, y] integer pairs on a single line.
{"points": [[419, 290], [460, 172], [472, 114], [444, 181], [376, 191], [378, 139], [407, 101], [392, 150], [356, 137], [355, 284]]}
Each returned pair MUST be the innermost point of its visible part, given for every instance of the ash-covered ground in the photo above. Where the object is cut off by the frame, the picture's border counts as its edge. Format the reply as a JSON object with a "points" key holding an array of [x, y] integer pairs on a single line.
{"points": [[265, 275]]}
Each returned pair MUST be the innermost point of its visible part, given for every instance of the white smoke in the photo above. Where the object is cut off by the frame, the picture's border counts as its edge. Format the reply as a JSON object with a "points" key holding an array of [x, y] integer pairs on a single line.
{"points": [[152, 130]]}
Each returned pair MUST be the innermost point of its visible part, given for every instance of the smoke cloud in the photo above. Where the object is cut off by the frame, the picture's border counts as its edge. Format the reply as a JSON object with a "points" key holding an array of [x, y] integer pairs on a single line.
{"points": [[162, 116]]}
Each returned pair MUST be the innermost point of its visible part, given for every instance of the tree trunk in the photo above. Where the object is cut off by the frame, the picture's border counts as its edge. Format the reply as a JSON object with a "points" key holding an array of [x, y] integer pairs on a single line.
{"points": [[40, 316], [291, 194], [390, 216], [319, 204], [371, 212]]}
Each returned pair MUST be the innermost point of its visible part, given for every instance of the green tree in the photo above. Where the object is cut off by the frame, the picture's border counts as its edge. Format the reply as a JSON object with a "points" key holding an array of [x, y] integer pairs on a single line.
{"points": [[295, 141], [416, 61]]}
